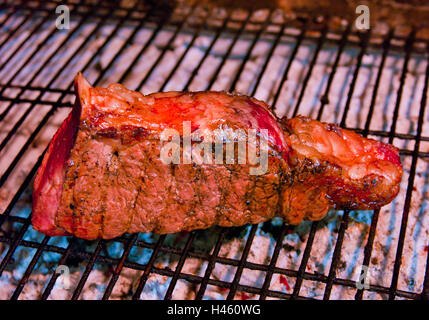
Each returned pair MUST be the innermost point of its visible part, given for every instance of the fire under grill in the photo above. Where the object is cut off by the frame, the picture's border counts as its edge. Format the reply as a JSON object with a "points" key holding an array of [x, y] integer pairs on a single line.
{"points": [[375, 83]]}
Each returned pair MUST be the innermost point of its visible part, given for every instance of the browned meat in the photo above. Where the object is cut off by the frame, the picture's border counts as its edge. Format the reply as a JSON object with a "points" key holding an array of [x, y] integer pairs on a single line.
{"points": [[104, 174]]}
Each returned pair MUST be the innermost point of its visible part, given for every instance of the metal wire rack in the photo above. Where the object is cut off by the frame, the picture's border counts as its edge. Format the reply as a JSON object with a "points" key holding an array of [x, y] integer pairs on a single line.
{"points": [[193, 21]]}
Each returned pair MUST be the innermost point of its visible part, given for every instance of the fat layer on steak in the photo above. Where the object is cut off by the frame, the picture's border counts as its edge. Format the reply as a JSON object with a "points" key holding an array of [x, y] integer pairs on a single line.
{"points": [[102, 175]]}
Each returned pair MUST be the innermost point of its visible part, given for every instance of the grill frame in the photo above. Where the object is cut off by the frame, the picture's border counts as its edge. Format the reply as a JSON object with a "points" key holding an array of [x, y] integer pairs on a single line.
{"points": [[84, 12]]}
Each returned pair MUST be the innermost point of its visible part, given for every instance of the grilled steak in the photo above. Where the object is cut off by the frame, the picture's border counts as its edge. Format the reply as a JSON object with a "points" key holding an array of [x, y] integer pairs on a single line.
{"points": [[104, 173]]}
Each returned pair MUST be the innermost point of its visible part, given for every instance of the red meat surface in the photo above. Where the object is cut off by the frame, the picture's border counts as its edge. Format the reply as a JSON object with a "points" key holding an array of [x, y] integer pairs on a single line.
{"points": [[103, 175]]}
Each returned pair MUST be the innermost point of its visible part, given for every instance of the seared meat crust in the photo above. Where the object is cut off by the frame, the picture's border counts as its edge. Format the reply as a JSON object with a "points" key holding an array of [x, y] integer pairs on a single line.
{"points": [[111, 179]]}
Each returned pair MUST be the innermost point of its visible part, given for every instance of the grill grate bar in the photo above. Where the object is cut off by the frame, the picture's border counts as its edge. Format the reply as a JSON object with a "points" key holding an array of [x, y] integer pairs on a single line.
{"points": [[229, 50], [35, 101], [267, 60], [235, 283], [325, 98], [207, 52], [4, 22], [30, 268], [273, 261], [402, 232], [182, 57], [119, 266], [408, 49], [21, 152], [262, 28], [13, 246], [386, 47], [304, 260], [19, 192], [143, 50], [55, 276], [299, 40], [364, 44], [164, 51], [319, 46], [211, 265], [368, 248], [179, 266], [320, 43], [12, 33], [149, 267], [224, 284], [130, 38], [87, 271], [336, 256], [19, 47]]}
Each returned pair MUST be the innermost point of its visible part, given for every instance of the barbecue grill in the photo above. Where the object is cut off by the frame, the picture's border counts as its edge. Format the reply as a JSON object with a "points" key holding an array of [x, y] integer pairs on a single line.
{"points": [[375, 83]]}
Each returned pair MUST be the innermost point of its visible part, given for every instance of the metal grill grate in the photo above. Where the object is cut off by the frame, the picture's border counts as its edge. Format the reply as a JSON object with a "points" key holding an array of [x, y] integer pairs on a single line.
{"points": [[43, 84]]}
